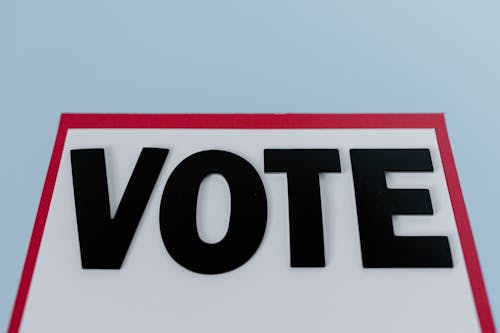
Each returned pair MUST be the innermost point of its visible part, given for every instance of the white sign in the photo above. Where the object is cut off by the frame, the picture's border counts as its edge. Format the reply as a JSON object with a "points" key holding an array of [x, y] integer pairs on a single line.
{"points": [[252, 223]]}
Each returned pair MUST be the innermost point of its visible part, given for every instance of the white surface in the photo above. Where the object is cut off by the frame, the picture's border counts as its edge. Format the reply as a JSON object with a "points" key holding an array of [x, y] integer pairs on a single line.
{"points": [[152, 293]]}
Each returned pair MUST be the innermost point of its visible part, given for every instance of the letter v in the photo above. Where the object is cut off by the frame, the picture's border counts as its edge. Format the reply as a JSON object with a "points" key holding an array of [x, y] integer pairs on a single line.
{"points": [[104, 240]]}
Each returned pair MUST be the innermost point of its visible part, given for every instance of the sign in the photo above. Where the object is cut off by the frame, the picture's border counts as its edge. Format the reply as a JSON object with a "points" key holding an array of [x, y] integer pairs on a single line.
{"points": [[252, 223]]}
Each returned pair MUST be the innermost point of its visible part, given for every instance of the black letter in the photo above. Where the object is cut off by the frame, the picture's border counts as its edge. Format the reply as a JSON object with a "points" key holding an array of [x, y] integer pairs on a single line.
{"points": [[247, 222], [104, 241], [376, 204], [304, 199]]}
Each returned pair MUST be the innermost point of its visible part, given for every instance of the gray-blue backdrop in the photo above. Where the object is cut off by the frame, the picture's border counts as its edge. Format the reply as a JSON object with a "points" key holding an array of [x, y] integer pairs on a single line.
{"points": [[246, 56]]}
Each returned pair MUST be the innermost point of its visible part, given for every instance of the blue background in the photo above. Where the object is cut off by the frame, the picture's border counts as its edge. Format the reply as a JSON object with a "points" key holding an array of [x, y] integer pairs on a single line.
{"points": [[246, 56]]}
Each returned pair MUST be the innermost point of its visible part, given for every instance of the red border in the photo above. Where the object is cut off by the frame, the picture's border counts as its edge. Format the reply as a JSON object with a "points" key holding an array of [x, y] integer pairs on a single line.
{"points": [[262, 121]]}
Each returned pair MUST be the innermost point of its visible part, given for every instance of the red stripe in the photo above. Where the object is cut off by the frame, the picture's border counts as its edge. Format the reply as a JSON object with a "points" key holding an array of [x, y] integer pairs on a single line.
{"points": [[37, 234], [464, 231], [251, 121]]}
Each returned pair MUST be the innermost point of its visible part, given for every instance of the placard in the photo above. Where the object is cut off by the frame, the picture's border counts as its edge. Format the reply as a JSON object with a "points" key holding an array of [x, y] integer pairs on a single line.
{"points": [[252, 223]]}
